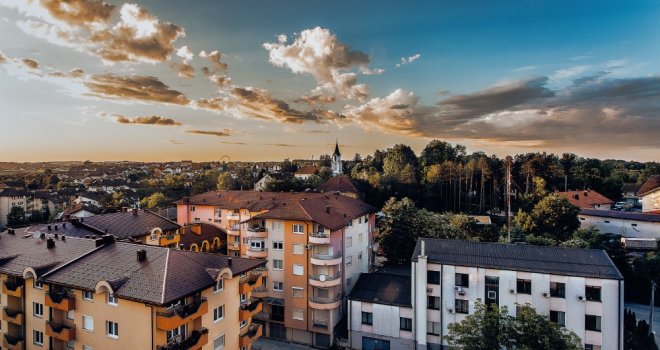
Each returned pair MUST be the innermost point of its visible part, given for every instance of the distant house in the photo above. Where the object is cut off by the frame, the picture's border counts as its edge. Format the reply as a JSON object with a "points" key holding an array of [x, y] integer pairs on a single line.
{"points": [[89, 198], [629, 192], [79, 210], [305, 172], [342, 184], [262, 184], [588, 199], [9, 198], [649, 194]]}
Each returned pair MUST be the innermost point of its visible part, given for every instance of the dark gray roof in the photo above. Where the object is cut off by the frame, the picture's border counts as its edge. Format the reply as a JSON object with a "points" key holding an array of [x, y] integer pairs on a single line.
{"points": [[590, 263], [382, 288], [622, 215], [129, 224], [165, 276]]}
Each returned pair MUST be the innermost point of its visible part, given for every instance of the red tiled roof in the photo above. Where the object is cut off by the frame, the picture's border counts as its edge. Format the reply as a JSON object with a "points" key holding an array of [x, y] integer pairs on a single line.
{"points": [[339, 183], [585, 199], [308, 170], [652, 184]]}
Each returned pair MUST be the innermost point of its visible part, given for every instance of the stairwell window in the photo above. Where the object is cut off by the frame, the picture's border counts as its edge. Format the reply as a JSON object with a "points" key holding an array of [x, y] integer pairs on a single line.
{"points": [[87, 295], [219, 343], [112, 300], [298, 270], [38, 309], [405, 324], [433, 277], [278, 245], [218, 314], [593, 293], [298, 315], [278, 264], [38, 338], [219, 285], [278, 286], [592, 323], [112, 329]]}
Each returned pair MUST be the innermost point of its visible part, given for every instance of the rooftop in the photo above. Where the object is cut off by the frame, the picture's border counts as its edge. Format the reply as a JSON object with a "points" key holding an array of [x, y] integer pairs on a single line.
{"points": [[589, 263], [652, 184], [339, 183], [585, 199], [622, 215], [383, 288]]}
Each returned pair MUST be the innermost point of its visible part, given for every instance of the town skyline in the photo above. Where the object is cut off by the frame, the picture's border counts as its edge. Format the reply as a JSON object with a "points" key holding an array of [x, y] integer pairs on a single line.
{"points": [[152, 81]]}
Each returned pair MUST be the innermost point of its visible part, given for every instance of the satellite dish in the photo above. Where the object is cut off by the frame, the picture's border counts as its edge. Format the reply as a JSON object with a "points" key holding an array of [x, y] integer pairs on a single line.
{"points": [[322, 278]]}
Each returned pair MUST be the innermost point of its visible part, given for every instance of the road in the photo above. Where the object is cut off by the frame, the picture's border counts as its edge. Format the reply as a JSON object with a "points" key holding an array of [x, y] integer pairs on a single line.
{"points": [[642, 313]]}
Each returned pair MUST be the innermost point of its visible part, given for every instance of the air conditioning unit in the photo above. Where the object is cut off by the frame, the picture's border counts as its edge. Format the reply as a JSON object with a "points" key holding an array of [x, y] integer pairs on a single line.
{"points": [[512, 291], [581, 297], [451, 310], [458, 289], [429, 290], [546, 294], [308, 246]]}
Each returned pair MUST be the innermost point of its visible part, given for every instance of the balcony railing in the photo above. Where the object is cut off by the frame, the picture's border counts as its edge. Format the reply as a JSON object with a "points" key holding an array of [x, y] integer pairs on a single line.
{"points": [[13, 316], [257, 249], [253, 333], [323, 324], [327, 256], [257, 229], [13, 340], [60, 331], [61, 300], [184, 311], [13, 285], [234, 228], [195, 340], [252, 305], [326, 277], [325, 300], [320, 235]]}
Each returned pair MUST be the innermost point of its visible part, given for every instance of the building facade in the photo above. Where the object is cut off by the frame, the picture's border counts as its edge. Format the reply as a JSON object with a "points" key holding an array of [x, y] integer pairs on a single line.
{"points": [[316, 245], [649, 195], [83, 294], [624, 224]]}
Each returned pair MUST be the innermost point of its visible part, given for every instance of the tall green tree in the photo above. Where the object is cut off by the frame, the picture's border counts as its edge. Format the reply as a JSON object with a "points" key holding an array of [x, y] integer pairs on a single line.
{"points": [[16, 216], [398, 231]]}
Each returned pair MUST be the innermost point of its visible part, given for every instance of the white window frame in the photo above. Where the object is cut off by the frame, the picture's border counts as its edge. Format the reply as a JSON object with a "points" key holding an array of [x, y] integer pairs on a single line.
{"points": [[298, 229], [89, 318], [111, 299], [278, 245], [243, 323], [219, 310], [297, 289], [37, 309], [300, 312], [349, 261], [298, 269], [281, 267], [280, 284], [87, 295], [222, 346], [111, 327], [37, 284], [37, 337], [219, 285], [293, 251]]}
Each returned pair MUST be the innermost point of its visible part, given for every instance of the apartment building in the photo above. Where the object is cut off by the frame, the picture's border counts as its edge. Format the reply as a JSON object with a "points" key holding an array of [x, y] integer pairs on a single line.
{"points": [[316, 245], [580, 289], [63, 293], [10, 198]]}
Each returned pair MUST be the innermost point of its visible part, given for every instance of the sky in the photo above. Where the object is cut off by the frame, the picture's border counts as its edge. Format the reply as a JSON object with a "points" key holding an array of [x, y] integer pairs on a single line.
{"points": [[267, 80]]}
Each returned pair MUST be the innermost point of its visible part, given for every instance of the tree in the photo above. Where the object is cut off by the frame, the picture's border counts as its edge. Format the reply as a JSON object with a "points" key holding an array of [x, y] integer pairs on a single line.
{"points": [[553, 217], [16, 216], [204, 182], [37, 216], [400, 162], [226, 182], [636, 335], [156, 200], [492, 328], [398, 231]]}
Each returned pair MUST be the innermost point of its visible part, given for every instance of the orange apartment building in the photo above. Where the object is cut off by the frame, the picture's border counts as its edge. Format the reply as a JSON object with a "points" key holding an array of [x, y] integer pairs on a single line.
{"points": [[316, 244], [61, 293]]}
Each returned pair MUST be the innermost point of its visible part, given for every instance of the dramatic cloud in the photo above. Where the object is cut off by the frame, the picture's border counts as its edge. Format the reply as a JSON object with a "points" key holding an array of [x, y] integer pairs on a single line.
{"points": [[134, 87], [215, 58], [30, 63], [395, 113], [220, 133], [151, 120], [74, 73], [220, 80], [79, 12], [316, 99], [318, 52], [408, 60], [184, 70], [185, 53]]}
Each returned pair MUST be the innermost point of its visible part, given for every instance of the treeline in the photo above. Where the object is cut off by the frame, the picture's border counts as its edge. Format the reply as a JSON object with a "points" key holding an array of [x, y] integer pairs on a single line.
{"points": [[445, 178]]}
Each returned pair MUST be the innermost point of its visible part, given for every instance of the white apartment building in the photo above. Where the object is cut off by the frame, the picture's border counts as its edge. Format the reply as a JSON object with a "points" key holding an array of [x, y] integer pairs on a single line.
{"points": [[622, 223]]}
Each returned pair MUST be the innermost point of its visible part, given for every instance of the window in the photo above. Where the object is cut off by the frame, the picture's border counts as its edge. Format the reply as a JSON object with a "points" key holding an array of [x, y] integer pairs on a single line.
{"points": [[243, 298], [634, 225], [259, 245], [88, 323], [592, 293], [192, 208], [405, 324], [38, 338], [71, 314], [433, 277], [591, 347], [276, 225], [297, 292], [87, 295], [278, 264], [360, 256], [298, 315], [219, 342], [558, 317], [367, 318], [349, 261], [524, 286], [350, 223], [298, 249], [37, 309], [349, 242], [300, 229], [462, 280], [432, 328], [433, 302], [219, 285], [38, 284], [607, 221], [177, 333], [592, 323], [557, 290], [243, 323], [113, 329], [298, 269], [278, 286], [112, 300], [218, 313], [278, 245], [461, 306]]}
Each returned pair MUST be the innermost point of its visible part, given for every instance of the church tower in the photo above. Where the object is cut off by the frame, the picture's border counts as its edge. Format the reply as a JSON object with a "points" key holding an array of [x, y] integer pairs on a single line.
{"points": [[336, 161]]}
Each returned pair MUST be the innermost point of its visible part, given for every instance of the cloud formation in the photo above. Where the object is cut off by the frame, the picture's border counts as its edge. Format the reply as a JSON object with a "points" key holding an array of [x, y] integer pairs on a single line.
{"points": [[134, 87], [219, 133], [408, 60], [30, 63], [319, 53], [215, 57], [150, 120]]}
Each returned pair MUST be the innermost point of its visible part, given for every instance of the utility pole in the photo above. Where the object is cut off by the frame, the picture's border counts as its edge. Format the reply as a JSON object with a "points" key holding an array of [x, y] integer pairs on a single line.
{"points": [[565, 183], [652, 306], [508, 197]]}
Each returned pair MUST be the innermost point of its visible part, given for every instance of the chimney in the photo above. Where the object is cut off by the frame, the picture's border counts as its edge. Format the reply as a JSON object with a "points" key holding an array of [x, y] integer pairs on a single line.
{"points": [[124, 209], [99, 242], [49, 227], [63, 239], [55, 227], [141, 255], [64, 225], [56, 236], [135, 211], [422, 247], [229, 261], [42, 235], [82, 219], [50, 243]]}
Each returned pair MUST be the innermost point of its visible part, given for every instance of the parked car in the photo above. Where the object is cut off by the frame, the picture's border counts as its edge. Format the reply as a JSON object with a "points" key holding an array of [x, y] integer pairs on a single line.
{"points": [[619, 206]]}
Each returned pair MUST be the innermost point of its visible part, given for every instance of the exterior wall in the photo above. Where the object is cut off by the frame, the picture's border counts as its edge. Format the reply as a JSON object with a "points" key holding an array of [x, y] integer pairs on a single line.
{"points": [[623, 227], [291, 280], [385, 325], [651, 201], [6, 203], [229, 325]]}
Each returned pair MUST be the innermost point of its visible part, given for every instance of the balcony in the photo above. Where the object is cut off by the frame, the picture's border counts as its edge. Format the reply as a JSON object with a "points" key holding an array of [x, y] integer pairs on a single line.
{"points": [[254, 332], [250, 309], [260, 292], [14, 288], [169, 239], [195, 341], [60, 331], [257, 232], [234, 245], [60, 300], [13, 316], [234, 216], [319, 238], [322, 280], [234, 231], [12, 342], [253, 280], [181, 314], [321, 303], [320, 324], [326, 259], [257, 252]]}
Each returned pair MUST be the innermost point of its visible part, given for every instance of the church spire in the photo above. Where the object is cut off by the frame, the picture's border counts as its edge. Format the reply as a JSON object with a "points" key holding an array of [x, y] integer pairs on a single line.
{"points": [[336, 149]]}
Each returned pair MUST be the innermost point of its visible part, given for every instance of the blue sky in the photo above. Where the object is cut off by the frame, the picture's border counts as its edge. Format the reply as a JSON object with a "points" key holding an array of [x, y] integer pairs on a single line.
{"points": [[498, 77]]}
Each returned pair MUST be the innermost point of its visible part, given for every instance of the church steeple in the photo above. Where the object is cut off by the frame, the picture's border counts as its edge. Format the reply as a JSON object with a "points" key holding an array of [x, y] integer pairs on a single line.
{"points": [[336, 161], [337, 149]]}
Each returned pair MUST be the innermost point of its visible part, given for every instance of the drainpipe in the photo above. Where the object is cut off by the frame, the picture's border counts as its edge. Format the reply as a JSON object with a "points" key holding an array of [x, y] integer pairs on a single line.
{"points": [[153, 346]]}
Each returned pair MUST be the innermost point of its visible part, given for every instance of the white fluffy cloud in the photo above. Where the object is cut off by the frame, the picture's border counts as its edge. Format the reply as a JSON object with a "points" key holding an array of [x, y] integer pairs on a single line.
{"points": [[319, 53], [408, 60]]}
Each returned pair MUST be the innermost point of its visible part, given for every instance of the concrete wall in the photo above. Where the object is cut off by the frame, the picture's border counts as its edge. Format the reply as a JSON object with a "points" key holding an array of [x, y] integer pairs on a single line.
{"points": [[651, 201], [624, 227]]}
